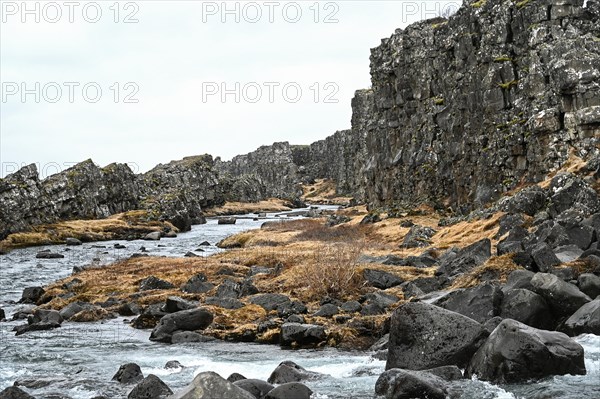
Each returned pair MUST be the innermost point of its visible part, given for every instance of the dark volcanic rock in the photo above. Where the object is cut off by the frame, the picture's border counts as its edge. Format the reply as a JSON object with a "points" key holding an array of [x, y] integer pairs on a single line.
{"points": [[289, 371], [423, 336], [467, 259], [186, 320], [197, 285], [589, 284], [301, 334], [398, 384], [150, 387], [418, 236], [479, 303], [210, 385], [15, 393], [290, 390], [154, 283], [176, 304], [564, 298], [32, 295], [128, 373], [527, 307], [258, 388], [515, 352], [586, 320], [270, 301], [381, 279]]}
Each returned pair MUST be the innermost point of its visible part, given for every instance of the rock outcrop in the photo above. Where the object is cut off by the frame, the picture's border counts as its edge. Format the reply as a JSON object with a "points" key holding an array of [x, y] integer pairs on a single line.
{"points": [[508, 87]]}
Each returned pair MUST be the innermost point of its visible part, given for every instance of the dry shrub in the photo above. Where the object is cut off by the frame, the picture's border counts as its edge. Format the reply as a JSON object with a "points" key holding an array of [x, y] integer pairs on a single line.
{"points": [[332, 270]]}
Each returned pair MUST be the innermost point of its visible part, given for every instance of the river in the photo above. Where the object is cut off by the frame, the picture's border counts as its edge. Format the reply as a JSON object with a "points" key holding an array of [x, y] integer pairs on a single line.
{"points": [[78, 360]]}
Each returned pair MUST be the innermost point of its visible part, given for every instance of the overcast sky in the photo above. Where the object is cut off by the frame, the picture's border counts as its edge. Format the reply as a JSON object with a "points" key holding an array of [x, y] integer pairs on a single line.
{"points": [[162, 67]]}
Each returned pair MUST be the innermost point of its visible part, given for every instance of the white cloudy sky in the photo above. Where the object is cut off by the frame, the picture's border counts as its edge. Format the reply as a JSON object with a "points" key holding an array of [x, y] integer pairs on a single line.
{"points": [[175, 51]]}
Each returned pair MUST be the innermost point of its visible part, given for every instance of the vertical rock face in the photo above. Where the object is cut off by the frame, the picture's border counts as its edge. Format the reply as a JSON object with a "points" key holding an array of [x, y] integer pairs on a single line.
{"points": [[465, 108], [268, 172], [181, 187]]}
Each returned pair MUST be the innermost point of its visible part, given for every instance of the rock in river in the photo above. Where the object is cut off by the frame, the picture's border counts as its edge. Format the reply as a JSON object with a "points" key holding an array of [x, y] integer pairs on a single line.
{"points": [[515, 352]]}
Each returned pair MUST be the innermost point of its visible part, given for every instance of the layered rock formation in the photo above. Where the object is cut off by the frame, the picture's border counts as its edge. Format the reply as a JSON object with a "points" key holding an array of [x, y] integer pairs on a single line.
{"points": [[466, 108]]}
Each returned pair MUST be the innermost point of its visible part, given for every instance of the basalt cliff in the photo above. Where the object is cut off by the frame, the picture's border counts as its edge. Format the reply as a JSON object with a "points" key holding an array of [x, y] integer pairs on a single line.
{"points": [[461, 111]]}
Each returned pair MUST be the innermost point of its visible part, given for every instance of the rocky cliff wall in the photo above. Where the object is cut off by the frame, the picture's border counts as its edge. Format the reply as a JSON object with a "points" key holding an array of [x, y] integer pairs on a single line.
{"points": [[466, 108]]}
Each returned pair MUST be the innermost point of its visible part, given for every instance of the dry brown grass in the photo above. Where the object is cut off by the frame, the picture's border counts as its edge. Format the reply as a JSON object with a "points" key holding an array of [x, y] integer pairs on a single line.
{"points": [[239, 208], [114, 227], [496, 268], [323, 191]]}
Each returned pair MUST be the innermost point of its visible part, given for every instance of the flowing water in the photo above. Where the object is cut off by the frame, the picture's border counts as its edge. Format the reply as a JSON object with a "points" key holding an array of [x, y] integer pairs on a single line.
{"points": [[78, 360]]}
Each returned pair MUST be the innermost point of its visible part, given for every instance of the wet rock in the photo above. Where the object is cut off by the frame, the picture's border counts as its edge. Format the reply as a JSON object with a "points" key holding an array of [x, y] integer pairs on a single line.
{"points": [[225, 303], [227, 220], [258, 388], [527, 307], [190, 254], [73, 308], [235, 377], [173, 364], [204, 244], [327, 310], [289, 371], [589, 284], [2, 314], [466, 259], [270, 301], [381, 279], [154, 236], [479, 303], [184, 337], [45, 316], [119, 246], [171, 234], [20, 330], [423, 336], [513, 348], [149, 317], [398, 383], [301, 334], [186, 320], [150, 387], [418, 236], [15, 393], [290, 390], [564, 298], [48, 255], [176, 304], [586, 320], [154, 283], [73, 241], [129, 309], [128, 374], [210, 385], [32, 295], [197, 285]]}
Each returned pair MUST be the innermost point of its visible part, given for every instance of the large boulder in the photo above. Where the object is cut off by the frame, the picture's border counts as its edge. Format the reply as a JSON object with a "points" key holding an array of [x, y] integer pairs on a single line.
{"points": [[32, 295], [515, 352], [197, 284], [186, 320], [150, 387], [15, 393], [301, 334], [564, 298], [589, 284], [128, 373], [270, 301], [258, 388], [289, 371], [480, 303], [406, 384], [291, 390], [210, 385], [466, 259], [424, 336], [586, 320], [154, 283], [381, 279], [175, 304], [527, 307]]}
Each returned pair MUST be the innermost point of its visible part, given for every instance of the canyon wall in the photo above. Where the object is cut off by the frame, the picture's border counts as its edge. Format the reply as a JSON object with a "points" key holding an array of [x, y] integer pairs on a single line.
{"points": [[466, 108]]}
